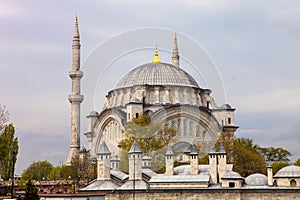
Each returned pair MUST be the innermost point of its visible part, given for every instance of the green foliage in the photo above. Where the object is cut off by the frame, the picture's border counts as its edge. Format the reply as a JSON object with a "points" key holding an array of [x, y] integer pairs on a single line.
{"points": [[4, 117], [297, 163], [60, 173], [277, 165], [31, 192], [124, 161], [150, 137], [227, 139], [248, 144], [203, 160], [247, 159], [82, 168], [37, 171], [9, 148], [275, 154]]}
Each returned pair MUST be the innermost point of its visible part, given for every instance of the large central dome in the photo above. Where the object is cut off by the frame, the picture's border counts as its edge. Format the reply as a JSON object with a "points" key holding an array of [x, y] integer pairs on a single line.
{"points": [[157, 74]]}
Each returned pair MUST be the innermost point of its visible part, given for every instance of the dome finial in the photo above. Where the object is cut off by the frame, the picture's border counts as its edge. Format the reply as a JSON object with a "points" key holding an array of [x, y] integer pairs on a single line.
{"points": [[156, 58]]}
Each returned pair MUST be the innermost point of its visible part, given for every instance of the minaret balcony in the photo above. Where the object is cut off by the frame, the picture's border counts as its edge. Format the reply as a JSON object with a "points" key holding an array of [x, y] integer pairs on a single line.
{"points": [[74, 74], [75, 98]]}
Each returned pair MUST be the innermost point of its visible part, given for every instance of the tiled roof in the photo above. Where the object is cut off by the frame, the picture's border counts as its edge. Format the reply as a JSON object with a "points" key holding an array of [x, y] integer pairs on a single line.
{"points": [[157, 74]]}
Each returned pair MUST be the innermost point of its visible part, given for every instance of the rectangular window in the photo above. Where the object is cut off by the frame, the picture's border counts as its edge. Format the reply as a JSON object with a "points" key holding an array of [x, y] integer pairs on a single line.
{"points": [[229, 120]]}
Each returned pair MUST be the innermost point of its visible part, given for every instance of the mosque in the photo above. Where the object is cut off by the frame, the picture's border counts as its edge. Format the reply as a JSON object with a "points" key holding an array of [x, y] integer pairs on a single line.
{"points": [[170, 96], [165, 92]]}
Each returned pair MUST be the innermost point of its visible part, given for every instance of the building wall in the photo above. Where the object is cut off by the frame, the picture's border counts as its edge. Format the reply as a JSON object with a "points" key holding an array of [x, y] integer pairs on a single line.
{"points": [[208, 194], [287, 181]]}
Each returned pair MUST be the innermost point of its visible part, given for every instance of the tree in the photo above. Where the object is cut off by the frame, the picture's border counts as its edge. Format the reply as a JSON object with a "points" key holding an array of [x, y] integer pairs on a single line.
{"points": [[81, 170], [277, 165], [297, 163], [37, 171], [9, 148], [275, 154], [31, 192], [60, 173], [4, 117], [227, 140], [247, 159], [152, 138]]}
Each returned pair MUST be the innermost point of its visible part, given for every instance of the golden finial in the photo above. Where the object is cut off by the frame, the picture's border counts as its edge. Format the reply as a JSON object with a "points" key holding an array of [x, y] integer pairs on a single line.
{"points": [[156, 58]]}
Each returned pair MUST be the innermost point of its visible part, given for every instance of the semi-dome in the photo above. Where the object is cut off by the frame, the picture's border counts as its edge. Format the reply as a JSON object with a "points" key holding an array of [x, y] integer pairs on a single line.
{"points": [[291, 171], [257, 179], [157, 74]]}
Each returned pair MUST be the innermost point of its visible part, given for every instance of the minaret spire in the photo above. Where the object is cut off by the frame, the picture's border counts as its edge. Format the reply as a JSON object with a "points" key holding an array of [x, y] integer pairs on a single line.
{"points": [[175, 54], [75, 98]]}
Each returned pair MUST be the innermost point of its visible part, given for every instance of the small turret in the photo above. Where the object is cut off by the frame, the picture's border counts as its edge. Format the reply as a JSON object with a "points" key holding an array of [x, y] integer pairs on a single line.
{"points": [[103, 158], [194, 160], [135, 162], [270, 175], [146, 160], [115, 162], [217, 164], [169, 161]]}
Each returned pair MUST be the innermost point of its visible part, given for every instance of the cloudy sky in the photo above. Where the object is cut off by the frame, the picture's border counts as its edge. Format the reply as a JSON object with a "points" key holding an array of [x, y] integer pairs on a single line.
{"points": [[254, 45]]}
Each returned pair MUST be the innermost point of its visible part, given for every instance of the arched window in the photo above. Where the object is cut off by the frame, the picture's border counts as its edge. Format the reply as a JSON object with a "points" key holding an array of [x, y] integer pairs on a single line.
{"points": [[161, 96], [191, 129], [185, 129], [197, 131], [179, 127], [173, 124], [171, 96], [152, 99], [293, 183]]}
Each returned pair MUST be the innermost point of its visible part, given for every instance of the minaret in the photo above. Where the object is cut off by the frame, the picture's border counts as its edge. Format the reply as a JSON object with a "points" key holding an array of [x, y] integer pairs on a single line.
{"points": [[75, 98], [175, 54]]}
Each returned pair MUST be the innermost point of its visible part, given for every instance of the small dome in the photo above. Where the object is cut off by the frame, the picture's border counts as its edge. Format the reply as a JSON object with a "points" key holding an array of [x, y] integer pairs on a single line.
{"points": [[291, 171], [226, 106], [231, 175], [157, 74], [257, 180], [146, 158], [93, 113]]}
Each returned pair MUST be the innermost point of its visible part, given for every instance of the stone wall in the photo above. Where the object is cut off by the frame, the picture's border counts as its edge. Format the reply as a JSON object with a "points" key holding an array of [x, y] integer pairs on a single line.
{"points": [[208, 194]]}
